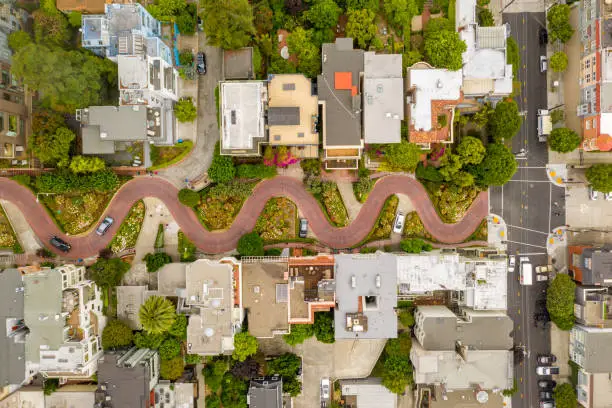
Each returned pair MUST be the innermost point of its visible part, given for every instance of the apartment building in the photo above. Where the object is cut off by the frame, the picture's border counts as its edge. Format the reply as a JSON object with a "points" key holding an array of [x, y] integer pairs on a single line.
{"points": [[63, 312], [595, 78], [593, 306], [590, 265], [12, 339]]}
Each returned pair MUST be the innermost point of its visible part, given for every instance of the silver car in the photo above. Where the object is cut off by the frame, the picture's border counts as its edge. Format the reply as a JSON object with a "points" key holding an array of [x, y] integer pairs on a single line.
{"points": [[104, 226]]}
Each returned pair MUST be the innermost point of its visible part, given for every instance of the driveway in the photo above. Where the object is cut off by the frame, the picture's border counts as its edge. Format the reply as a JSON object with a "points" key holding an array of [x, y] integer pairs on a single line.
{"points": [[197, 163]]}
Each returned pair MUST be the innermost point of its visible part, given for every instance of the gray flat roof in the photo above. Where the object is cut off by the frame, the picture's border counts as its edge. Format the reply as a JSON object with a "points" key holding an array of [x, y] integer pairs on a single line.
{"points": [[366, 276], [104, 125], [342, 118], [266, 392], [12, 369], [242, 116], [597, 349], [600, 271]]}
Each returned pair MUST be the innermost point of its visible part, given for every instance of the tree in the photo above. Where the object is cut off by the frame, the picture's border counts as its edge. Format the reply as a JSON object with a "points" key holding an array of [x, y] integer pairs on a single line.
{"points": [[505, 121], [148, 340], [443, 49], [361, 27], [213, 401], [156, 261], [189, 197], [50, 385], [51, 145], [172, 369], [323, 14], [116, 334], [292, 386], [563, 140], [481, 117], [227, 23], [245, 345], [171, 7], [86, 164], [560, 301], [50, 27], [286, 365], [565, 396], [400, 346], [559, 27], [233, 392], [372, 5], [403, 156], [185, 58], [485, 18], [193, 359], [406, 317], [301, 44], [179, 327], [185, 110], [324, 327], [222, 168], [263, 15], [397, 374], [246, 369], [497, 167], [399, 13], [169, 349], [600, 177], [558, 61], [213, 374], [299, 333], [74, 19], [108, 272], [186, 23], [19, 39], [411, 57], [250, 244], [157, 315], [415, 246], [471, 150]]}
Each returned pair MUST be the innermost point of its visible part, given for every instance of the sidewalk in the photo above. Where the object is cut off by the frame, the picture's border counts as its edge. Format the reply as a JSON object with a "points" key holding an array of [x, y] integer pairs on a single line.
{"points": [[350, 201], [28, 240]]}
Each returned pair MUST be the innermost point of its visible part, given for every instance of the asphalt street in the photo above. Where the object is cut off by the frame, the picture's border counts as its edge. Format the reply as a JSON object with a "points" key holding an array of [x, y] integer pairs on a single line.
{"points": [[530, 205]]}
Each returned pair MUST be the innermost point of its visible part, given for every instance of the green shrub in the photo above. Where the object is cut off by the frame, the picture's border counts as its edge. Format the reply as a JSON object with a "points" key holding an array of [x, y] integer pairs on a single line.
{"points": [[67, 182], [169, 349], [324, 327], [250, 244], [186, 57], [185, 110], [415, 246], [156, 261], [255, 171], [188, 197]]}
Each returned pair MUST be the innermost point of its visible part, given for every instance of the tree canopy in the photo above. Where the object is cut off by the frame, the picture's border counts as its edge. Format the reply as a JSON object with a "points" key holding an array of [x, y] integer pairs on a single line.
{"points": [[563, 140], [172, 369], [559, 27], [286, 365], [250, 244], [185, 110], [50, 27], [148, 340], [397, 374], [403, 156], [116, 334], [179, 327], [227, 23], [470, 150], [558, 61], [505, 120], [157, 315], [361, 27], [213, 374], [299, 333], [600, 177], [302, 44], [324, 327], [156, 260], [108, 272], [415, 246], [399, 13], [233, 392], [86, 164], [443, 48], [497, 167], [245, 345], [323, 14], [565, 396], [362, 4], [221, 169], [19, 39], [560, 301], [169, 349]]}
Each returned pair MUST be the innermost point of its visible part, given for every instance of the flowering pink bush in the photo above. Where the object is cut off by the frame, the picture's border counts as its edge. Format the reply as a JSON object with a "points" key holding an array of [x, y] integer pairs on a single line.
{"points": [[281, 163]]}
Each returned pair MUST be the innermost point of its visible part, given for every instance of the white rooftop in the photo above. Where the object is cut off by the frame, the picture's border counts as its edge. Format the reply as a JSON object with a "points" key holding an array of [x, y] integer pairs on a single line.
{"points": [[431, 84], [465, 13], [133, 72], [242, 113]]}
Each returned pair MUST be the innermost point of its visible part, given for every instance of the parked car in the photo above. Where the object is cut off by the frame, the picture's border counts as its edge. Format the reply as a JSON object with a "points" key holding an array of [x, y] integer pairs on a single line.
{"points": [[547, 384], [608, 196], [546, 396], [325, 388], [547, 370], [544, 268], [543, 36], [303, 227], [104, 226], [541, 278], [511, 263], [60, 244], [398, 225], [547, 404], [547, 359], [543, 63], [201, 63], [593, 195]]}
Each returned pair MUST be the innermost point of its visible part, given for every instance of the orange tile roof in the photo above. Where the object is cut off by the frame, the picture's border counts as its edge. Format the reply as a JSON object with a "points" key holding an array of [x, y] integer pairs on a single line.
{"points": [[438, 107], [343, 80]]}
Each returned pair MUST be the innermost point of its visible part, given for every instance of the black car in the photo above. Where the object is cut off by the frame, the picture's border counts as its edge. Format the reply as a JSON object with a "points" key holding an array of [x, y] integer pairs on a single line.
{"points": [[303, 227], [547, 384], [201, 63], [543, 36], [60, 244], [546, 396], [546, 359]]}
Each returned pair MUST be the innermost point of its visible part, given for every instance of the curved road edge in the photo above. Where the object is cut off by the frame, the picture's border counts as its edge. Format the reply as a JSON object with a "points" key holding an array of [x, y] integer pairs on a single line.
{"points": [[222, 241]]}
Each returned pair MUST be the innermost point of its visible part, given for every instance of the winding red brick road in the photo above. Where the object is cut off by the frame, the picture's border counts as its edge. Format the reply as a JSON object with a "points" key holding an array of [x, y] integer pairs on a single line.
{"points": [[222, 241]]}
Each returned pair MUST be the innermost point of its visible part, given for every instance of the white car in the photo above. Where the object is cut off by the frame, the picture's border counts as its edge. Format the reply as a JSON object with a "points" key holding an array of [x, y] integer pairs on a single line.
{"points": [[398, 225], [608, 196], [511, 263], [543, 63], [541, 277], [543, 268], [325, 383]]}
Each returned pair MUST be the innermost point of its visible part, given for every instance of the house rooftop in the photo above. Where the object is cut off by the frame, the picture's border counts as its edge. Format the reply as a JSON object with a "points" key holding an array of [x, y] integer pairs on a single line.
{"points": [[597, 266], [383, 93], [367, 393], [71, 398], [465, 13], [12, 347], [265, 392], [595, 348], [129, 300]]}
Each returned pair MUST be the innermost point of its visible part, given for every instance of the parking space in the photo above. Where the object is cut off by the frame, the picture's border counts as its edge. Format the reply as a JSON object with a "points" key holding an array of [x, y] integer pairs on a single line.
{"points": [[584, 213]]}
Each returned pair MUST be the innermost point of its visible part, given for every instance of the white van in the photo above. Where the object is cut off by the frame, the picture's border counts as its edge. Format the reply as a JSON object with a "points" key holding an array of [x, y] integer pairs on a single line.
{"points": [[526, 275]]}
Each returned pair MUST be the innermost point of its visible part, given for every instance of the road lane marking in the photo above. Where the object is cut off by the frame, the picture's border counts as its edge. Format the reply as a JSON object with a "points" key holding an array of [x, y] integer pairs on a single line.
{"points": [[523, 243], [527, 229], [531, 253]]}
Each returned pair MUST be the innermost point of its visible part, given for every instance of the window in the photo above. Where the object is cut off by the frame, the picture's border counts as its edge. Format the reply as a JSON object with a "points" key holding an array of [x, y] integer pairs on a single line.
{"points": [[13, 124], [301, 134], [594, 123], [587, 64], [277, 138], [587, 124], [587, 78], [6, 78]]}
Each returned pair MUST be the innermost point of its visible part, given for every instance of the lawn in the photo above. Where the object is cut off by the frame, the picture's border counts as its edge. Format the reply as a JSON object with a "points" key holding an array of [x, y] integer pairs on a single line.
{"points": [[384, 224], [8, 238], [333, 205], [221, 203], [130, 228], [76, 213], [277, 221], [414, 228], [164, 156], [186, 248]]}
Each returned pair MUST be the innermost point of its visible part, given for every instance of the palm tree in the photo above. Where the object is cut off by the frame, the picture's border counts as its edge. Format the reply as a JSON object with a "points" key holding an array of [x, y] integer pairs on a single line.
{"points": [[157, 315]]}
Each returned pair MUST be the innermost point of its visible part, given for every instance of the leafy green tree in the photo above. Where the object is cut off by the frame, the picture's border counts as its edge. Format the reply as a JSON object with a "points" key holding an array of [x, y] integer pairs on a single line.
{"points": [[186, 57], [233, 392], [157, 315], [250, 244], [86, 164], [429, 173], [302, 45], [213, 374], [108, 272], [188, 197], [560, 301], [171, 7], [400, 346], [411, 57], [481, 118], [245, 345], [450, 165], [558, 61], [443, 49], [485, 18], [213, 401], [299, 333], [557, 116], [324, 327], [397, 374], [169, 349], [51, 140], [156, 261], [505, 121], [222, 169], [172, 369], [600, 177], [563, 140], [403, 156], [399, 13], [361, 27], [148, 340], [50, 385], [286, 365], [74, 19], [439, 24], [227, 23], [19, 39], [179, 327], [116, 334], [292, 386], [415, 246], [406, 318], [193, 359], [323, 14], [565, 396], [50, 27], [186, 23], [185, 110], [497, 167], [362, 4], [559, 27], [471, 150], [263, 16]]}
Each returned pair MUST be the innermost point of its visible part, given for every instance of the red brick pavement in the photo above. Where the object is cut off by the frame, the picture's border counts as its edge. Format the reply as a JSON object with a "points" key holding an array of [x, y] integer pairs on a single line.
{"points": [[222, 241]]}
